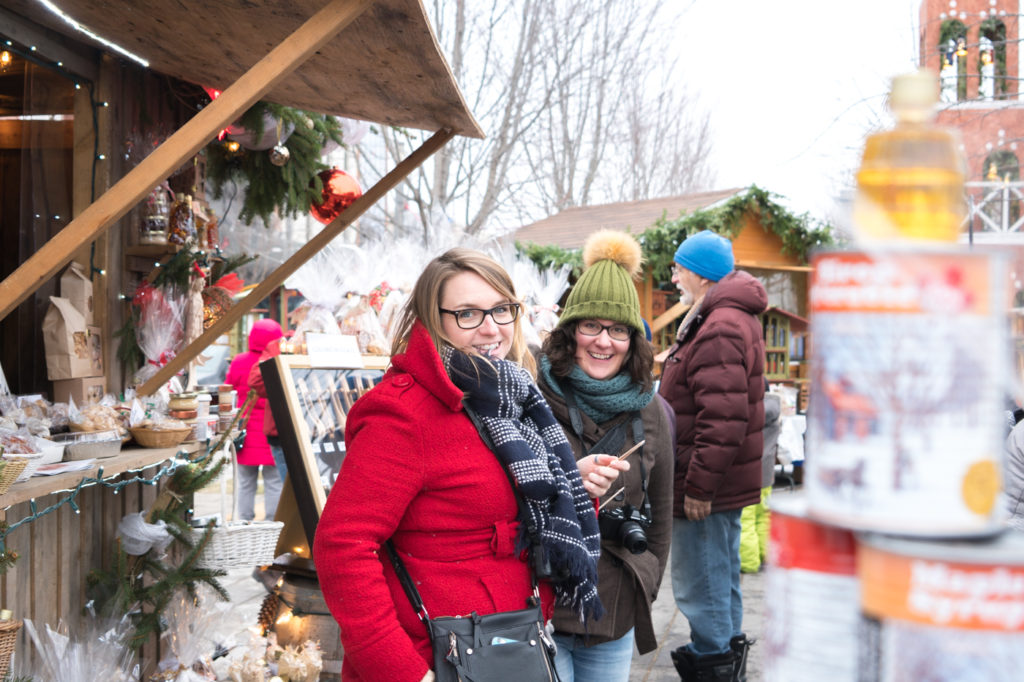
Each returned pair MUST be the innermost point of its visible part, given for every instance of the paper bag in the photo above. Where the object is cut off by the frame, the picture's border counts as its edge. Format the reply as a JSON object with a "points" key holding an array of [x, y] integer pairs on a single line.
{"points": [[76, 286], [73, 349]]}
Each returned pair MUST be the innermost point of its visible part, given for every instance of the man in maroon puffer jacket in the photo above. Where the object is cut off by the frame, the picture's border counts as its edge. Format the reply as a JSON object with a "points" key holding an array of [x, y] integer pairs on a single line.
{"points": [[714, 380]]}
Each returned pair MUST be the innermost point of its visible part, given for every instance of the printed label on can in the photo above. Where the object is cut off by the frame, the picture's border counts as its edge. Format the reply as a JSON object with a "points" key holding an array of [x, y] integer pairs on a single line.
{"points": [[812, 599], [909, 375], [942, 612]]}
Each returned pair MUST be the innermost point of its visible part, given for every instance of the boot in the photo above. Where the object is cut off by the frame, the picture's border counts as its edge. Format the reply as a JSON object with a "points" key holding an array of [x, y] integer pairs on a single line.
{"points": [[713, 668], [740, 646]]}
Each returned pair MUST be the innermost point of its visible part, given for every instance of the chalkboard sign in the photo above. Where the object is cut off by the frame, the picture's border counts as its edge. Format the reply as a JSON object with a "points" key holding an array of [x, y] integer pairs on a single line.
{"points": [[310, 406]]}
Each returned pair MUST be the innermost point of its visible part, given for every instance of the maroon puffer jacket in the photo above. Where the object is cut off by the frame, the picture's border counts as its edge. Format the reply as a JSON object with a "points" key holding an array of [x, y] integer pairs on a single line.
{"points": [[714, 380]]}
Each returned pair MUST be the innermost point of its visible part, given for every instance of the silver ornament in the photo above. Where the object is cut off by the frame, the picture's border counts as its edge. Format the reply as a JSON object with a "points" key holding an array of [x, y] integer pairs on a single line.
{"points": [[279, 155]]}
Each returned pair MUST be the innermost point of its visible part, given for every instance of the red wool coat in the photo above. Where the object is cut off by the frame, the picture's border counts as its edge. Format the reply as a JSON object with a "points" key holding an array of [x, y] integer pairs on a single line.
{"points": [[255, 450], [714, 380], [416, 471]]}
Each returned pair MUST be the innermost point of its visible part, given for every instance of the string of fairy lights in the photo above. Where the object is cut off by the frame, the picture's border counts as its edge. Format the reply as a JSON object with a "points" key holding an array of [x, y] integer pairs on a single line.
{"points": [[116, 483]]}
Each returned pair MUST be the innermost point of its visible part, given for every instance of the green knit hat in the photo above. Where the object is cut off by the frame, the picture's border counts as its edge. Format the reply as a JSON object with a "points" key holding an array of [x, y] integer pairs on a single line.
{"points": [[605, 290]]}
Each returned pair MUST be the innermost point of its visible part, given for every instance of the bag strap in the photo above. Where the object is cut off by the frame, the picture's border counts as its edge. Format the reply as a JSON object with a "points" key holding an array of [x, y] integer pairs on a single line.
{"points": [[612, 440], [407, 584], [403, 574]]}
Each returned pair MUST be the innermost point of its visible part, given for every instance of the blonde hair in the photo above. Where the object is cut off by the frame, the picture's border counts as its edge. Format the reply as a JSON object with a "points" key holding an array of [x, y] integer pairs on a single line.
{"points": [[425, 301]]}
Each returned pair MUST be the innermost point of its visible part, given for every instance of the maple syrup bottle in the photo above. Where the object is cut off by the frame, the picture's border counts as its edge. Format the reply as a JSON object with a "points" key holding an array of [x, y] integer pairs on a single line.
{"points": [[910, 186]]}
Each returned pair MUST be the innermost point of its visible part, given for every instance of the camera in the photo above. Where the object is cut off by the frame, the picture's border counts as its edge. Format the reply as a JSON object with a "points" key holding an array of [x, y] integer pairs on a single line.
{"points": [[627, 526]]}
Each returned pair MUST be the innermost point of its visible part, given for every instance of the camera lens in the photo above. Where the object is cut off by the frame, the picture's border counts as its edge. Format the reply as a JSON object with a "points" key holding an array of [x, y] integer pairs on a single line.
{"points": [[632, 537]]}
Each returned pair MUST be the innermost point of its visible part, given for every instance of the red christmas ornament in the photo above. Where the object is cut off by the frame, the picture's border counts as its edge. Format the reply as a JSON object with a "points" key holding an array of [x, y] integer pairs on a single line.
{"points": [[340, 190]]}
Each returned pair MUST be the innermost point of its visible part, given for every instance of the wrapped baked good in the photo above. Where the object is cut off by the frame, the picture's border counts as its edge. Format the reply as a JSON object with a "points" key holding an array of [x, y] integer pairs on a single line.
{"points": [[161, 329]]}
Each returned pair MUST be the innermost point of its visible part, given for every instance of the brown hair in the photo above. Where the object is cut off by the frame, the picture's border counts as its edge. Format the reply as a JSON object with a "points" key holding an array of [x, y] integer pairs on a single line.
{"points": [[425, 301], [560, 348]]}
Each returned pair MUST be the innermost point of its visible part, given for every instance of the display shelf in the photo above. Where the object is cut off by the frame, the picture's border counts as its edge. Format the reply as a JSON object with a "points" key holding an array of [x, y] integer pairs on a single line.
{"points": [[129, 459]]}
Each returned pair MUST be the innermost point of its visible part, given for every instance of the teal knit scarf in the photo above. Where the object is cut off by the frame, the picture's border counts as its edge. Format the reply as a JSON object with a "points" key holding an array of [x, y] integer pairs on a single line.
{"points": [[599, 399]]}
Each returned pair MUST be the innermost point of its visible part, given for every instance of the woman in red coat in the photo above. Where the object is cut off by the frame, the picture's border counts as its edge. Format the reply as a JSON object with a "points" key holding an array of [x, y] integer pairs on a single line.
{"points": [[418, 472], [255, 452]]}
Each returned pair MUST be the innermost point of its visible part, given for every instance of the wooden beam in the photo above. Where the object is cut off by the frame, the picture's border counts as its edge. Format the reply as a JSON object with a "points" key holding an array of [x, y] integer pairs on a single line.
{"points": [[666, 317], [298, 259], [182, 145]]}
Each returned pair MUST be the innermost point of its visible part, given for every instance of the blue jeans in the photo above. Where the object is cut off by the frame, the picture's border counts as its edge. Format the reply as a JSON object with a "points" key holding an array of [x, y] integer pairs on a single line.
{"points": [[278, 452], [706, 579], [605, 662]]}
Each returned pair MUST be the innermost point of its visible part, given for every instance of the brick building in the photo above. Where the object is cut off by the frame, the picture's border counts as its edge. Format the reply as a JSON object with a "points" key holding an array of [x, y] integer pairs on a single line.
{"points": [[974, 46]]}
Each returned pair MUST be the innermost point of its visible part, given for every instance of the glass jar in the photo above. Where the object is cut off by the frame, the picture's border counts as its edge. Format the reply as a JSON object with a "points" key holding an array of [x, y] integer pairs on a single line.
{"points": [[181, 225], [153, 226]]}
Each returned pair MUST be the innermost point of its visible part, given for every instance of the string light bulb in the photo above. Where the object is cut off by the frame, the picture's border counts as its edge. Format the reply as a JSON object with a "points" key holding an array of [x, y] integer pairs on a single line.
{"points": [[5, 59]]}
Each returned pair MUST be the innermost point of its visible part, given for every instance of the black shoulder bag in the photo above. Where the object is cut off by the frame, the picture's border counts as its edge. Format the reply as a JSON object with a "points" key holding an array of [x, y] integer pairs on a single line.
{"points": [[489, 648]]}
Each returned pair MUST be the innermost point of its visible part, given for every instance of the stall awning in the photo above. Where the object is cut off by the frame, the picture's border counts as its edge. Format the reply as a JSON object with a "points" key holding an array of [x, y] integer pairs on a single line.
{"points": [[375, 60], [384, 67]]}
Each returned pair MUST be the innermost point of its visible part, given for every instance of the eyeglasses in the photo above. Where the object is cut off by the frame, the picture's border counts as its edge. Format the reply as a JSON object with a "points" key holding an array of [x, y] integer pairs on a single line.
{"points": [[617, 332], [677, 269], [471, 318]]}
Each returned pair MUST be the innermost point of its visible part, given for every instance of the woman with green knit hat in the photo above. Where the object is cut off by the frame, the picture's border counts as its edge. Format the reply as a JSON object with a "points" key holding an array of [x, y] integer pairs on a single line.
{"points": [[595, 370]]}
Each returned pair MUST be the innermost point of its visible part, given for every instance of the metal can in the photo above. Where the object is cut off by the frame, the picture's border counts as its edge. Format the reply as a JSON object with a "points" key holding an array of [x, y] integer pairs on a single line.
{"points": [[909, 363], [941, 611], [812, 600]]}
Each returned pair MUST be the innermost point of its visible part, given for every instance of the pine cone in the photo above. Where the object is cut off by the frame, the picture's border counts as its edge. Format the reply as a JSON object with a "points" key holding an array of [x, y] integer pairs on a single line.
{"points": [[268, 613]]}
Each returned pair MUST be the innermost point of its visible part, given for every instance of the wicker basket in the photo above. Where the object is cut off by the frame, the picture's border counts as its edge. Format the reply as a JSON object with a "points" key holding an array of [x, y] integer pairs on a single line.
{"points": [[32, 461], [159, 438], [8, 638], [12, 468], [239, 544]]}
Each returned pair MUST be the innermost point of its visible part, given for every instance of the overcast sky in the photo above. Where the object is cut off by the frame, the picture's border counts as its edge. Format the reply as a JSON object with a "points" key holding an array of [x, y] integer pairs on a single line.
{"points": [[793, 87]]}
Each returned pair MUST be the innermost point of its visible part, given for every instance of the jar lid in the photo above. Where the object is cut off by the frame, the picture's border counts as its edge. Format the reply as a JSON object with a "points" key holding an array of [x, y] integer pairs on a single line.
{"points": [[183, 396]]}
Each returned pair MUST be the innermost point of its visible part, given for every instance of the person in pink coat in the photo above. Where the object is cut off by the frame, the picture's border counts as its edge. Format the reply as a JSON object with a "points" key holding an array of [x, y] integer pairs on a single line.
{"points": [[418, 472], [255, 452]]}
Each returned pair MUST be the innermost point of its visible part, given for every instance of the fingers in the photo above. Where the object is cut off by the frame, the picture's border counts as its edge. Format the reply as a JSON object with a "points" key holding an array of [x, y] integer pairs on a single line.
{"points": [[599, 472]]}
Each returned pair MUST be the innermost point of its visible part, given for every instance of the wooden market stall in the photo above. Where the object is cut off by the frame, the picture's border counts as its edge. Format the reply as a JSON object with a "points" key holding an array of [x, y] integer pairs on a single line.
{"points": [[375, 61], [757, 248]]}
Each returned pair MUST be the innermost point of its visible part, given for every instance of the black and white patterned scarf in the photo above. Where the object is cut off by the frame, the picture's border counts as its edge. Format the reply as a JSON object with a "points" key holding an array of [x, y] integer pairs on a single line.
{"points": [[529, 441]]}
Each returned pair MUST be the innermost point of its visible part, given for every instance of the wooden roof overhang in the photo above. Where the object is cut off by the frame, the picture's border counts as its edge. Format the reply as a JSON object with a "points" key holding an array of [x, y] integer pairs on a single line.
{"points": [[377, 61]]}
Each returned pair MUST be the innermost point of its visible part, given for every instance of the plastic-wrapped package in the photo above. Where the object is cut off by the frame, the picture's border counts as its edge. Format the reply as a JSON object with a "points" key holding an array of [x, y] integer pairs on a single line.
{"points": [[322, 284], [190, 637], [160, 329], [360, 320], [100, 652]]}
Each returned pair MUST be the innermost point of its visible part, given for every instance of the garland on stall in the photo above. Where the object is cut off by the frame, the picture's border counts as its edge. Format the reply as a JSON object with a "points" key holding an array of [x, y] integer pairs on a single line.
{"points": [[799, 233], [289, 188]]}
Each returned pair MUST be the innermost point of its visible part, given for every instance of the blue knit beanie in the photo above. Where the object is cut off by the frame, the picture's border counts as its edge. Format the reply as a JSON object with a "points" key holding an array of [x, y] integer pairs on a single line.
{"points": [[706, 254]]}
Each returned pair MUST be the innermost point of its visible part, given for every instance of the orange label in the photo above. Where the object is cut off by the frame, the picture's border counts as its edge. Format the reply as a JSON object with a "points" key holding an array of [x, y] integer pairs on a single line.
{"points": [[940, 593]]}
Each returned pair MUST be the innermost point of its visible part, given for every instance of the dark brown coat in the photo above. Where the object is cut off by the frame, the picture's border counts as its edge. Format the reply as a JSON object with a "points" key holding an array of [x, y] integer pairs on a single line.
{"points": [[627, 583], [714, 380]]}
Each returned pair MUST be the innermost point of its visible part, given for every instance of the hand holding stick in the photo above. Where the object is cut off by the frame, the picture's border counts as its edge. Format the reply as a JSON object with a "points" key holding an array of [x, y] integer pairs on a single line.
{"points": [[624, 455]]}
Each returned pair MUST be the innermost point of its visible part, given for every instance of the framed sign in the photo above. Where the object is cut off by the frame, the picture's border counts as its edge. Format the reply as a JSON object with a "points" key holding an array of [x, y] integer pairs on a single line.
{"points": [[310, 407]]}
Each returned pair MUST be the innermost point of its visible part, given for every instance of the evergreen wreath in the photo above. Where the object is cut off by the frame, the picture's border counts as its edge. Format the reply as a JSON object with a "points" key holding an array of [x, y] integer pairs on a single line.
{"points": [[289, 189]]}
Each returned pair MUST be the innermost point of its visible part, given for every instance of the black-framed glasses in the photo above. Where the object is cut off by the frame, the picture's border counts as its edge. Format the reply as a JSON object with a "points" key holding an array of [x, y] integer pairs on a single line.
{"points": [[471, 318], [617, 332]]}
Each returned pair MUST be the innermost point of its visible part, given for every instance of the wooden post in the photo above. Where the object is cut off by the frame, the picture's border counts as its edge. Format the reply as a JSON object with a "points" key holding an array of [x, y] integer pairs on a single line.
{"points": [[183, 144], [298, 259]]}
